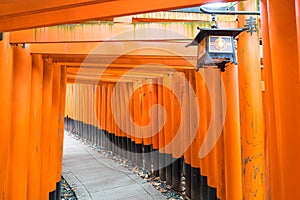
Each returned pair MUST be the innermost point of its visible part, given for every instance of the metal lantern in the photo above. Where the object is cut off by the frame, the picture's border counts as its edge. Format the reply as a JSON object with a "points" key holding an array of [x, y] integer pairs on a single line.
{"points": [[216, 47]]}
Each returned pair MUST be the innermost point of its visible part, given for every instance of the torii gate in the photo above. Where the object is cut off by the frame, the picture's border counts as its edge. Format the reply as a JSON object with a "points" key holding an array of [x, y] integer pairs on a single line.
{"points": [[281, 36]]}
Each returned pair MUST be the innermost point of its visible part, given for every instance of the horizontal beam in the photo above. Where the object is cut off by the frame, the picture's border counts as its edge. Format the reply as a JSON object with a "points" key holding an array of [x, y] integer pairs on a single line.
{"points": [[148, 67], [114, 76], [124, 61], [162, 48], [108, 31], [41, 15], [165, 53], [96, 72], [95, 80], [20, 8]]}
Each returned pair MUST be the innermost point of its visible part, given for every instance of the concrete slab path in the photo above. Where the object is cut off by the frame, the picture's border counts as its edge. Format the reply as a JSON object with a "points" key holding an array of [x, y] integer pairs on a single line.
{"points": [[96, 177]]}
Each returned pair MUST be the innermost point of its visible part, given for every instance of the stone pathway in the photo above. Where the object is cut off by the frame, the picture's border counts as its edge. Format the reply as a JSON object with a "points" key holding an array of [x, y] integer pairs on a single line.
{"points": [[93, 176]]}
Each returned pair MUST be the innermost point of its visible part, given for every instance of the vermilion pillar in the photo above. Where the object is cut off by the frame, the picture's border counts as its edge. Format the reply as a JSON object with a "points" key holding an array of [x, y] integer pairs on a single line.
{"points": [[231, 134], [273, 157], [5, 107], [20, 112], [54, 129], [63, 90], [34, 156], [283, 21], [251, 110], [297, 5], [46, 127]]}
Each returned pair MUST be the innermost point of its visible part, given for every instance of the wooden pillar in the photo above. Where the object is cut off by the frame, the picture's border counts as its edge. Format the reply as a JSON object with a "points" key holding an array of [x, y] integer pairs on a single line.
{"points": [[5, 107], [97, 112], [273, 183], [195, 145], [34, 156], [250, 96], [177, 147], [297, 5], [187, 153], [20, 108], [75, 107], [161, 134], [232, 138], [219, 147], [146, 122], [103, 106], [54, 129], [167, 80], [131, 126], [155, 138], [123, 115], [204, 105], [46, 127], [62, 95], [212, 111], [283, 21]]}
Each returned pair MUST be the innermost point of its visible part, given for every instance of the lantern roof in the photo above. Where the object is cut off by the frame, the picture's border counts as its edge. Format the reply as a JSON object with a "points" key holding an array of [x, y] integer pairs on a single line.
{"points": [[204, 32]]}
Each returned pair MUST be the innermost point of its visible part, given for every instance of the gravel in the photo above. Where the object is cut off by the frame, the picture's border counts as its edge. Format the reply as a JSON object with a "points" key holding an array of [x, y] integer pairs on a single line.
{"points": [[67, 192]]}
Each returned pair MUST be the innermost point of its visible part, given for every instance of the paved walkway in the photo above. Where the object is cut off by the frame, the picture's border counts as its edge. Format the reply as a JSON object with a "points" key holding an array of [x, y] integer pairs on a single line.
{"points": [[94, 176]]}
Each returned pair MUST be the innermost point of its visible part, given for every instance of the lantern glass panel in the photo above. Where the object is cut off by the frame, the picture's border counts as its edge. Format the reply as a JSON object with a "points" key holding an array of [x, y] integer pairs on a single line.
{"points": [[220, 44]]}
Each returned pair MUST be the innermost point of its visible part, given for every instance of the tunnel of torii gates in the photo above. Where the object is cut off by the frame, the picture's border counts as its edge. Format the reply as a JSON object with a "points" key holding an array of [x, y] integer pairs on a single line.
{"points": [[129, 83]]}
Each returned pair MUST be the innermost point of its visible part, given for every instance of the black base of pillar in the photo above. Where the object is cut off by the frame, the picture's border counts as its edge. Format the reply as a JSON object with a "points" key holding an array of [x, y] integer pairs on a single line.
{"points": [[133, 155], [147, 157], [139, 155], [123, 147], [76, 128], [128, 149], [195, 183], [162, 168], [58, 190], [155, 161], [109, 141], [95, 136], [102, 138], [83, 131], [176, 174], [169, 169], [204, 188], [114, 143], [212, 193], [105, 139], [66, 123], [188, 181], [52, 195], [117, 145], [99, 137]]}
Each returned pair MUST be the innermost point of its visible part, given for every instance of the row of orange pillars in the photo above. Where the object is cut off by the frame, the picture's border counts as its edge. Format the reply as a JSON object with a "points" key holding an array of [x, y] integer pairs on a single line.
{"points": [[117, 116], [254, 153], [255, 156], [32, 125]]}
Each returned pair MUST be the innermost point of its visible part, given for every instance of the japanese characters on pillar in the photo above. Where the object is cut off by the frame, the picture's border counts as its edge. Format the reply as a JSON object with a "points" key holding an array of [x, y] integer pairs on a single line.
{"points": [[251, 110]]}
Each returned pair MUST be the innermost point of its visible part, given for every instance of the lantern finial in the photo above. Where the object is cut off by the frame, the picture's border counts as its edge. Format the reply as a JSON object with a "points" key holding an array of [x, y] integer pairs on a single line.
{"points": [[213, 23]]}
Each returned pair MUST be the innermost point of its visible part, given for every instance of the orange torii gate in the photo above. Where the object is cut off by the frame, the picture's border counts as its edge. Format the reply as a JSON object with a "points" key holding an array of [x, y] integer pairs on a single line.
{"points": [[27, 108]]}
